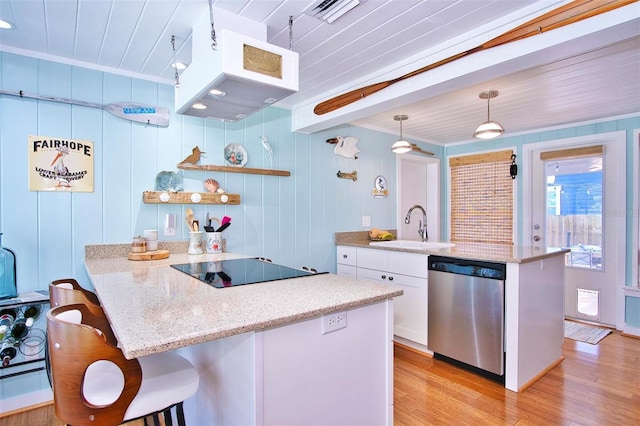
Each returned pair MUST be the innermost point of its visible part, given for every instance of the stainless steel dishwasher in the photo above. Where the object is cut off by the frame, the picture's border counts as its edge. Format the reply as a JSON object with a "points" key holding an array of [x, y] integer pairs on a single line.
{"points": [[466, 312]]}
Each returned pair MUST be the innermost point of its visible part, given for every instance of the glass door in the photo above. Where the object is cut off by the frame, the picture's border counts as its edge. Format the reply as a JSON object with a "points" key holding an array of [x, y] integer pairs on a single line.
{"points": [[576, 191]]}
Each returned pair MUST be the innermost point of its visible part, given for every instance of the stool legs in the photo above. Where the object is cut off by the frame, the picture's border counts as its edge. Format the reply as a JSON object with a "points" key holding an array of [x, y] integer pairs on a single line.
{"points": [[168, 419], [167, 416], [180, 413]]}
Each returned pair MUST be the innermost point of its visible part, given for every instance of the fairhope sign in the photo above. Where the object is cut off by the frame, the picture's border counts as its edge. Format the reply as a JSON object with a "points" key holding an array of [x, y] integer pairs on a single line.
{"points": [[57, 164]]}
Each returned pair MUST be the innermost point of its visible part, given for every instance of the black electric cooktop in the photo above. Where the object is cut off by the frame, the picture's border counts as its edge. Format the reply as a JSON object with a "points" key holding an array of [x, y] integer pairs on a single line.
{"points": [[235, 272]]}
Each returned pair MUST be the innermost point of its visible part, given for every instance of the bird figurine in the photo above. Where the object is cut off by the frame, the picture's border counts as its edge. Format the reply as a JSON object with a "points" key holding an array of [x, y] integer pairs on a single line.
{"points": [[194, 157], [267, 147], [346, 147]]}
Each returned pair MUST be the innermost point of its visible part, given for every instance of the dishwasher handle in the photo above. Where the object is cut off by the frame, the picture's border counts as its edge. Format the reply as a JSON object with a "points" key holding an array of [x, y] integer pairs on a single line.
{"points": [[474, 268]]}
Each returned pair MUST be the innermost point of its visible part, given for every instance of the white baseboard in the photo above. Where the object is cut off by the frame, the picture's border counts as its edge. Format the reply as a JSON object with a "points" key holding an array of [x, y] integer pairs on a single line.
{"points": [[413, 345], [22, 401], [631, 331]]}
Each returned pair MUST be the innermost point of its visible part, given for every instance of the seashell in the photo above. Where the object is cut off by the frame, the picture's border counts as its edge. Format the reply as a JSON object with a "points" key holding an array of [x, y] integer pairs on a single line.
{"points": [[220, 191], [211, 185]]}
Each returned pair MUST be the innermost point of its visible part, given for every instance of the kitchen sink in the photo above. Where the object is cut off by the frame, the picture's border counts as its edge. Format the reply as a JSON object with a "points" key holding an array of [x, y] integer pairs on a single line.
{"points": [[412, 245]]}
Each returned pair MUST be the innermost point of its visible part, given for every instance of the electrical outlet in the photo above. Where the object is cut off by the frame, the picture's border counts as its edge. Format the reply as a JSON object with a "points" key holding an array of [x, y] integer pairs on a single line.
{"points": [[366, 221], [334, 321]]}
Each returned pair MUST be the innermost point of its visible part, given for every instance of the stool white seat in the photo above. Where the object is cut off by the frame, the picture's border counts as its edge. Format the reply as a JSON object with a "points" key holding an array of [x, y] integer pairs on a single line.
{"points": [[94, 384], [167, 379]]}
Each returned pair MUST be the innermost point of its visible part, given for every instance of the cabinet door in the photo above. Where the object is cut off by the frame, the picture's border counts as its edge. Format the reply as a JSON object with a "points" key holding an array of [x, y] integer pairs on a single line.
{"points": [[410, 309], [346, 255]]}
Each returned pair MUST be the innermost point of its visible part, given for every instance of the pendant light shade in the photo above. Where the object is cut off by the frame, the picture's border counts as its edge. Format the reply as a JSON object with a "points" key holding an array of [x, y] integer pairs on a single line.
{"points": [[400, 146], [489, 129]]}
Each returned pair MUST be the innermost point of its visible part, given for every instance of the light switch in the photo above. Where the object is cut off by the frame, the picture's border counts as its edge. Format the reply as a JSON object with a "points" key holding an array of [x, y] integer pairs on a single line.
{"points": [[366, 221]]}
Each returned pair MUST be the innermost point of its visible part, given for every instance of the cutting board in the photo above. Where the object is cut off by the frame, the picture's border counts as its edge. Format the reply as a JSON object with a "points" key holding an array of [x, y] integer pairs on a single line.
{"points": [[149, 255]]}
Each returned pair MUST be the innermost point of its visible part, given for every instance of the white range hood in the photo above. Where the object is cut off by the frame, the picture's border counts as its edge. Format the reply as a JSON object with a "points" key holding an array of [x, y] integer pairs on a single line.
{"points": [[251, 73]]}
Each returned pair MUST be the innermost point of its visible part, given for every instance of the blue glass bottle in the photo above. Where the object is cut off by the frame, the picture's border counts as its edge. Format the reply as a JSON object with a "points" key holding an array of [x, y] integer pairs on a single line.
{"points": [[8, 287]]}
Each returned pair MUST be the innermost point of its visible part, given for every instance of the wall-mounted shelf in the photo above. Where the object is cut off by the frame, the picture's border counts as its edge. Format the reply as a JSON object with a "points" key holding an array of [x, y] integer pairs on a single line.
{"points": [[166, 197], [229, 169]]}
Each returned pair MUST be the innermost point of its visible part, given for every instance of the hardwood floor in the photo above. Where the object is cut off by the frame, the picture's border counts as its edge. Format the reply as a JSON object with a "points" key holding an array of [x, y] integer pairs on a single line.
{"points": [[594, 385]]}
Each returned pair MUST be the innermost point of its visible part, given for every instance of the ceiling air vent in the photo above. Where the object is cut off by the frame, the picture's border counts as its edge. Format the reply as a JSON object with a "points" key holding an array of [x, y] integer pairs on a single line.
{"points": [[331, 10]]}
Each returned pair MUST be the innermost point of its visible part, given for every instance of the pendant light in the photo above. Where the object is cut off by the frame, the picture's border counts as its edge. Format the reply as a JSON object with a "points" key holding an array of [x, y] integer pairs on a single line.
{"points": [[400, 146], [489, 129]]}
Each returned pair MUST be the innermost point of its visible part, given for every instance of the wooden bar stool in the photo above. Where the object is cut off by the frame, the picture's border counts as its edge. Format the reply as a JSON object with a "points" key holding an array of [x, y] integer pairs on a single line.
{"points": [[67, 291], [94, 384]]}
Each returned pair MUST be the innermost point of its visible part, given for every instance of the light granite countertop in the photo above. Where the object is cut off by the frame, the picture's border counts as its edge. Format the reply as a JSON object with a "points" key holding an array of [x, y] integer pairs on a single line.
{"points": [[502, 253], [153, 307]]}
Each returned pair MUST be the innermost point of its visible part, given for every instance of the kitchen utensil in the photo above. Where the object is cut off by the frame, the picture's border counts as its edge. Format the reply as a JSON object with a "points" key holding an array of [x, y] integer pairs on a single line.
{"points": [[225, 220], [564, 15], [189, 219], [209, 229], [223, 227]]}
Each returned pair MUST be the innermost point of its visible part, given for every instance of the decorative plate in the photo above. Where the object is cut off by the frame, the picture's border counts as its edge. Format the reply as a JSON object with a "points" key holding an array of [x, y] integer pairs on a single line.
{"points": [[235, 155]]}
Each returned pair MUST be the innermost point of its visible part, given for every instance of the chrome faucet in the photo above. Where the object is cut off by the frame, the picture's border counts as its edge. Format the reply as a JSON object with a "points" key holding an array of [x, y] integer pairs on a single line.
{"points": [[423, 223]]}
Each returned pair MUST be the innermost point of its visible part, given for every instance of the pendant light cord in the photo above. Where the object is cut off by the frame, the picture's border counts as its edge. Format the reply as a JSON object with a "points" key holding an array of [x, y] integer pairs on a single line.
{"points": [[488, 108], [290, 32], [214, 41], [175, 64]]}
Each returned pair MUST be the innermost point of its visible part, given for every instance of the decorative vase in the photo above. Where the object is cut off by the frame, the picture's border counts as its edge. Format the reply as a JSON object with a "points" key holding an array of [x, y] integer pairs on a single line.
{"points": [[8, 287]]}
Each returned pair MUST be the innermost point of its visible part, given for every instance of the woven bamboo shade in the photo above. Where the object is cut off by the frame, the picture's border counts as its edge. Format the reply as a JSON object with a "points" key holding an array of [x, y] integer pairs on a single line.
{"points": [[565, 154], [482, 198]]}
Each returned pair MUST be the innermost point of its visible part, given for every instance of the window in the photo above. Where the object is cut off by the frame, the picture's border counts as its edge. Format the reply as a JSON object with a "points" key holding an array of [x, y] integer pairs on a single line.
{"points": [[482, 198], [574, 203]]}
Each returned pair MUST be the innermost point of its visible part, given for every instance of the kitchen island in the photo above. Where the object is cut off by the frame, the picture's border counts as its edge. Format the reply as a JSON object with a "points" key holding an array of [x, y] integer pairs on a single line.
{"points": [[533, 298], [263, 351]]}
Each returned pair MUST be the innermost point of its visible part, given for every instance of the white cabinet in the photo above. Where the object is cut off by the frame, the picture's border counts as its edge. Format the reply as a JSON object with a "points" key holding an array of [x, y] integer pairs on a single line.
{"points": [[407, 271], [344, 377], [346, 259]]}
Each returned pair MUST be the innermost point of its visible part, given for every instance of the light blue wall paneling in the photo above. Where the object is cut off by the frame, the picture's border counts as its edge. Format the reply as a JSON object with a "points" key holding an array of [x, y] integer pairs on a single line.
{"points": [[291, 220]]}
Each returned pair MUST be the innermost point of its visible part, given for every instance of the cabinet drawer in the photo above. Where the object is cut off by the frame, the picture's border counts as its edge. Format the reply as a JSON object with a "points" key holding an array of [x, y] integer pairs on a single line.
{"points": [[373, 259], [347, 271], [412, 264], [346, 255], [373, 275]]}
